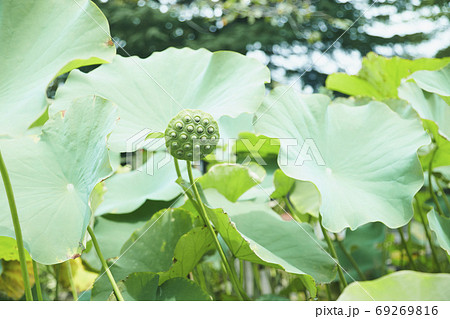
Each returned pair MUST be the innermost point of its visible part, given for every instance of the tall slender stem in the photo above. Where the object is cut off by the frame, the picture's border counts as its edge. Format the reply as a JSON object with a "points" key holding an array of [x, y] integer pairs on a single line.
{"points": [[427, 233], [328, 289], [37, 281], [17, 229], [207, 222], [405, 245], [350, 258], [57, 268], [333, 253], [72, 283], [177, 167], [430, 184], [257, 277], [241, 272], [105, 265]]}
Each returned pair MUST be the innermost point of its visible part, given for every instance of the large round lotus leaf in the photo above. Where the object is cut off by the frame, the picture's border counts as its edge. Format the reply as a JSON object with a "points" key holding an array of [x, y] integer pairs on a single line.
{"points": [[150, 92], [400, 286], [40, 40], [53, 175], [362, 159]]}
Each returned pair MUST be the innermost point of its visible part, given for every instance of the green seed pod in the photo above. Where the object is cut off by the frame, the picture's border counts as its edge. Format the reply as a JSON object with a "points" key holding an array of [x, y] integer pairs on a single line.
{"points": [[185, 138]]}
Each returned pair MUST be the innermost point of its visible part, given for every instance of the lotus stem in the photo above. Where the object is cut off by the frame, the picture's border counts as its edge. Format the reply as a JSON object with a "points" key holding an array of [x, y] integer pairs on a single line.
{"points": [[207, 222], [430, 184], [37, 281], [427, 233], [333, 253], [105, 265], [17, 229], [350, 258], [408, 253]]}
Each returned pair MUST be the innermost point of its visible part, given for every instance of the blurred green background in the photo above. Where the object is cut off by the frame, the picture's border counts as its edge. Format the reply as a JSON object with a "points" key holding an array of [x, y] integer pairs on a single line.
{"points": [[289, 36]]}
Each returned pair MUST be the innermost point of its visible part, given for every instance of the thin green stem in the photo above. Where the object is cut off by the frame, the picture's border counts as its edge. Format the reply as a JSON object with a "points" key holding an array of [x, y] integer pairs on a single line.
{"points": [[73, 288], [57, 277], [234, 281], [105, 265], [177, 167], [37, 281], [257, 278], [328, 289], [408, 253], [241, 272], [430, 184], [444, 196], [350, 258], [427, 233], [333, 253], [17, 229]]}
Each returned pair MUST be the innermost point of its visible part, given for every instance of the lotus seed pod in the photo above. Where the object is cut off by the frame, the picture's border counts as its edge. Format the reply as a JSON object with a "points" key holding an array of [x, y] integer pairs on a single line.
{"points": [[191, 134]]}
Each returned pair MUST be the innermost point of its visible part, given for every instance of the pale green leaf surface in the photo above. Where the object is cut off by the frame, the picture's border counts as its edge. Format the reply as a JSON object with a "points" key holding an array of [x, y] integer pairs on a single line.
{"points": [[255, 233], [154, 180], [363, 160], [400, 286], [232, 180], [283, 184], [440, 225], [113, 230], [40, 40], [380, 77], [434, 81], [143, 286], [150, 92], [305, 198], [151, 248], [53, 175]]}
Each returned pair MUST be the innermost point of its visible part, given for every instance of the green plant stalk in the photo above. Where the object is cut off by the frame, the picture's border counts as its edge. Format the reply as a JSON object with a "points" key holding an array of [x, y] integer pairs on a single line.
{"points": [[328, 289], [257, 278], [241, 272], [17, 229], [177, 167], [104, 265], [444, 196], [408, 253], [73, 288], [37, 281], [427, 233], [350, 258], [333, 253], [430, 185], [207, 222], [57, 275]]}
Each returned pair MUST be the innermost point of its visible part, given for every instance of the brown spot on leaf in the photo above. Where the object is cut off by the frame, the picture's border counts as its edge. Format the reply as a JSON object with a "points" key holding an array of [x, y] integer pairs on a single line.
{"points": [[110, 43], [75, 256]]}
